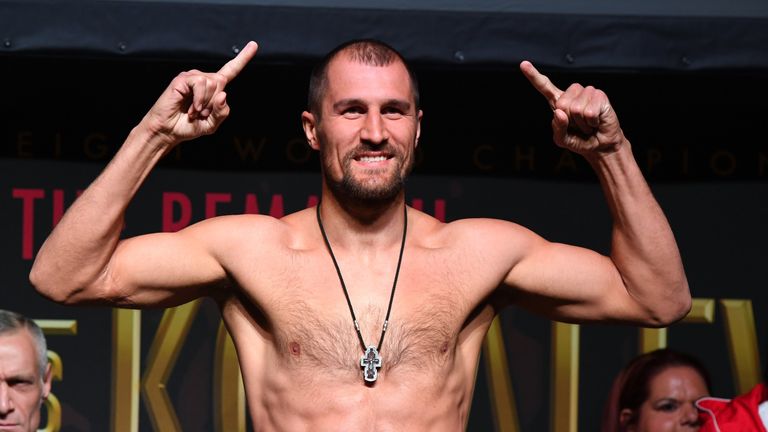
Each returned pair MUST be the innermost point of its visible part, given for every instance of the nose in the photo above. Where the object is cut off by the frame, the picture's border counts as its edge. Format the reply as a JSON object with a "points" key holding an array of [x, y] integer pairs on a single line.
{"points": [[690, 415], [374, 129], [6, 406]]}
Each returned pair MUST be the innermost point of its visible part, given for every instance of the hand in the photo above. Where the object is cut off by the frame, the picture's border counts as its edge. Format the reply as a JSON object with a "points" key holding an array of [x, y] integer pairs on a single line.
{"points": [[583, 121], [195, 103]]}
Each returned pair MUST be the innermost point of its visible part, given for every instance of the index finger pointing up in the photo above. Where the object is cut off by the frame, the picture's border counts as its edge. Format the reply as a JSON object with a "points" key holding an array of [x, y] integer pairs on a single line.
{"points": [[233, 67], [541, 83]]}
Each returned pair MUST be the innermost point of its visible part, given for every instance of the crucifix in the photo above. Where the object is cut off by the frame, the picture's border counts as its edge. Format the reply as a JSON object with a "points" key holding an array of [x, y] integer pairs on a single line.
{"points": [[370, 361]]}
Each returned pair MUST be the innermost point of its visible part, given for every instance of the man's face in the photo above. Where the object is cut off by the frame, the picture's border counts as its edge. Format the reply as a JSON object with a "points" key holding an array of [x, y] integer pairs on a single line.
{"points": [[22, 389], [368, 129]]}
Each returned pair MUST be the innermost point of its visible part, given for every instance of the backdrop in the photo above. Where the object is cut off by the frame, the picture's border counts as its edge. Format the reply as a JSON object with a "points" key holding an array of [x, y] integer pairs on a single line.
{"points": [[485, 151]]}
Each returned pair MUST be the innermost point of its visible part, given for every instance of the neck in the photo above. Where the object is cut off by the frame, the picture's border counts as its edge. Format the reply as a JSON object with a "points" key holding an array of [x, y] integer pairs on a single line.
{"points": [[357, 224]]}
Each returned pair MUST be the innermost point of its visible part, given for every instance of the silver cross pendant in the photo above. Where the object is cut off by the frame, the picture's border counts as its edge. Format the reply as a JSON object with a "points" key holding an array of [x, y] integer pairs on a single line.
{"points": [[370, 362]]}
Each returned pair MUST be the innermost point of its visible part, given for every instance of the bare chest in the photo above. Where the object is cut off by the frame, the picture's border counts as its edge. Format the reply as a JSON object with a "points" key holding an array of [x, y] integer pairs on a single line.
{"points": [[313, 327]]}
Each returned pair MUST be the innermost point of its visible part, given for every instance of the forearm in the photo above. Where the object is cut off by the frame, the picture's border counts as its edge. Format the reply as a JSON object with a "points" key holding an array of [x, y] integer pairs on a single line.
{"points": [[71, 264], [643, 248]]}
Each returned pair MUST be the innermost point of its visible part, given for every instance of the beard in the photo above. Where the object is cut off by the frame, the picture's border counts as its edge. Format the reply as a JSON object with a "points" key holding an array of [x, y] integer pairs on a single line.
{"points": [[373, 188]]}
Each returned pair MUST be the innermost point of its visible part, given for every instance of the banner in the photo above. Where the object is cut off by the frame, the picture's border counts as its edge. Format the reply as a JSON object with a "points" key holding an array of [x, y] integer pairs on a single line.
{"points": [[718, 227]]}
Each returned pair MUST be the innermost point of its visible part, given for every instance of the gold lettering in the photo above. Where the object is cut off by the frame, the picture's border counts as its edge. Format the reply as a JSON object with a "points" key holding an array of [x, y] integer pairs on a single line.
{"points": [[565, 377], [499, 382], [126, 344], [163, 353], [723, 163], [94, 146], [57, 366], [652, 339], [478, 161], [653, 158], [566, 160], [742, 343], [521, 157], [298, 151], [52, 405], [702, 312], [246, 148], [58, 327], [24, 144], [228, 390], [53, 408]]}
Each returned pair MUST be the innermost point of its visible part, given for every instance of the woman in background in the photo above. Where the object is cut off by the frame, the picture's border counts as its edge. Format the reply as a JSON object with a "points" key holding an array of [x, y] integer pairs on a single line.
{"points": [[657, 392]]}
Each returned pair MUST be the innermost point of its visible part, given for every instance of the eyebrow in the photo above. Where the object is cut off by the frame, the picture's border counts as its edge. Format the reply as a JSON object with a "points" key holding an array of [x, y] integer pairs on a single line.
{"points": [[20, 377], [397, 103]]}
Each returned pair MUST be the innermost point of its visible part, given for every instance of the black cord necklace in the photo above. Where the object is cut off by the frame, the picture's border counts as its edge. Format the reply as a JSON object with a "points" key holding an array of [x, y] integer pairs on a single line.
{"points": [[371, 360]]}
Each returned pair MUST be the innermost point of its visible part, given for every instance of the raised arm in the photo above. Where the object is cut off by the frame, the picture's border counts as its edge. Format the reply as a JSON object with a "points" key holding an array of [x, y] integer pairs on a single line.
{"points": [[83, 259], [643, 280]]}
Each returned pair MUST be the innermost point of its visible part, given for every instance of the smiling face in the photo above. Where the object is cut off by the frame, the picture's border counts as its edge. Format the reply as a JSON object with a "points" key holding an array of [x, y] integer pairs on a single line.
{"points": [[22, 388], [367, 129], [670, 404]]}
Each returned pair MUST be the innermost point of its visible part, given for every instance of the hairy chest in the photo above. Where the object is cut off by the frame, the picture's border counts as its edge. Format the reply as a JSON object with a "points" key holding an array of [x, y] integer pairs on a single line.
{"points": [[310, 325], [313, 328]]}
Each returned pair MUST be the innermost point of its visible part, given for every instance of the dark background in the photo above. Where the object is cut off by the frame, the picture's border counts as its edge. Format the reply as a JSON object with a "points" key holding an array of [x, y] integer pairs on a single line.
{"points": [[698, 133]]}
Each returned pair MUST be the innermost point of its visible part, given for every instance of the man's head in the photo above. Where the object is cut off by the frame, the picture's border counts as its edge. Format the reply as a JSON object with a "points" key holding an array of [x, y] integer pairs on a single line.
{"points": [[364, 118], [365, 51], [25, 375]]}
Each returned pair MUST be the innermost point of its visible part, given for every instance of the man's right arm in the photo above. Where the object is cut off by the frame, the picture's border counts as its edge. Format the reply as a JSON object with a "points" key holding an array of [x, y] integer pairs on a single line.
{"points": [[83, 259]]}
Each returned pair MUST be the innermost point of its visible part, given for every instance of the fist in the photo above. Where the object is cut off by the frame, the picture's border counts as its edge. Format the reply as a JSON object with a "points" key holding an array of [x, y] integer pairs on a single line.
{"points": [[195, 102], [583, 120]]}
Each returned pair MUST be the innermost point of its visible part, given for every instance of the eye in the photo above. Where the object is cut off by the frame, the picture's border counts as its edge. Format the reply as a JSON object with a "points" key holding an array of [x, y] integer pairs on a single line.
{"points": [[20, 383], [667, 406], [353, 112], [392, 112]]}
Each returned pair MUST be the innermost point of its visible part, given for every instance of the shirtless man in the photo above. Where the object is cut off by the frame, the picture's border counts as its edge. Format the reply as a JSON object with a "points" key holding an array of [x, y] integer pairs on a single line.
{"points": [[289, 308]]}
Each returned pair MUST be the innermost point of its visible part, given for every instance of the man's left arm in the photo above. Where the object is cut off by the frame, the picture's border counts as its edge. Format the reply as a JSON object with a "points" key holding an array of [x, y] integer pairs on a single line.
{"points": [[643, 279]]}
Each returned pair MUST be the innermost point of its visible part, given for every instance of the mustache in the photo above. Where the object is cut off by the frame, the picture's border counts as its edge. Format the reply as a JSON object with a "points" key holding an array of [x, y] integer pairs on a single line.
{"points": [[388, 149]]}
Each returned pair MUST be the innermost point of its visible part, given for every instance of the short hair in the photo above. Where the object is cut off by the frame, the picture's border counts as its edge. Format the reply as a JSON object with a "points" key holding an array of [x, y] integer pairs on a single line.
{"points": [[11, 322], [366, 51], [631, 388]]}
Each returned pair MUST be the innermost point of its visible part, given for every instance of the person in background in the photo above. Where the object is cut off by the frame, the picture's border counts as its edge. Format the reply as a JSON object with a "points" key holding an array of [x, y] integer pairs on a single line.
{"points": [[657, 392], [25, 374]]}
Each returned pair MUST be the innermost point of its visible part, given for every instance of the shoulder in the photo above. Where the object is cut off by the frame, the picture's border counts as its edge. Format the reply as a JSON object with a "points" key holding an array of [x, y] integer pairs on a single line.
{"points": [[236, 225], [228, 232], [480, 234]]}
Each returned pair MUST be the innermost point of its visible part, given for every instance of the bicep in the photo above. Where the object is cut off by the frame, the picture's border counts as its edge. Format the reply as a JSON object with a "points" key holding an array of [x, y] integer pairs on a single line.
{"points": [[163, 269], [569, 283]]}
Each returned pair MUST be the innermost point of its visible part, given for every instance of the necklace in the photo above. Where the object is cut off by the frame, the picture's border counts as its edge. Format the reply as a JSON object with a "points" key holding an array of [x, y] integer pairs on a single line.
{"points": [[370, 360]]}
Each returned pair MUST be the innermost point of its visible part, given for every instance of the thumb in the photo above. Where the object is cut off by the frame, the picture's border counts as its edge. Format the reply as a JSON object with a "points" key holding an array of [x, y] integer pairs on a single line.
{"points": [[220, 108]]}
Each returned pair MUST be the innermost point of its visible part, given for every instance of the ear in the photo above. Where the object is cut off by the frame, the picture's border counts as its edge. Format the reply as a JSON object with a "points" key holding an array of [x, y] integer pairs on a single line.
{"points": [[627, 420], [419, 115], [309, 123], [47, 381]]}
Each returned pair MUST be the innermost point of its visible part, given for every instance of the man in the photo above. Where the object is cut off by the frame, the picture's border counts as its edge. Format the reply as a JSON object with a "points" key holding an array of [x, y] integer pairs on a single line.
{"points": [[310, 300], [25, 374]]}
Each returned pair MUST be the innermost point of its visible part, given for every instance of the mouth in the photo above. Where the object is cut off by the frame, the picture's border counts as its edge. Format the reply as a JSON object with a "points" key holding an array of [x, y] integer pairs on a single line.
{"points": [[372, 158]]}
